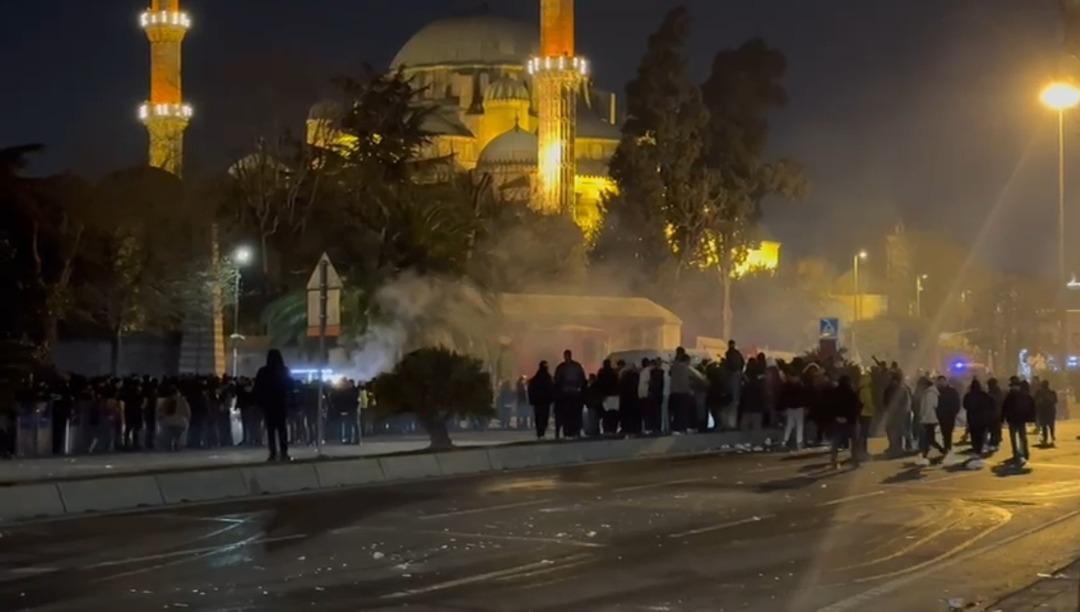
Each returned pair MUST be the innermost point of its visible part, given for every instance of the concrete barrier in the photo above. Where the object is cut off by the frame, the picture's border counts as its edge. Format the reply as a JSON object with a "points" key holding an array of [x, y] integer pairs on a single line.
{"points": [[103, 494], [409, 467], [22, 502], [280, 478], [349, 473], [463, 462], [205, 485]]}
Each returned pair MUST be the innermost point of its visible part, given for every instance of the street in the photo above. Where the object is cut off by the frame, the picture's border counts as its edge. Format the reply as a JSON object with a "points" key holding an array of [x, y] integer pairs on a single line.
{"points": [[719, 532]]}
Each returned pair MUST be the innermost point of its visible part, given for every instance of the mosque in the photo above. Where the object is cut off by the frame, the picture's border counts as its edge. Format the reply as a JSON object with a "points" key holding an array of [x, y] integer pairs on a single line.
{"points": [[510, 101], [475, 71]]}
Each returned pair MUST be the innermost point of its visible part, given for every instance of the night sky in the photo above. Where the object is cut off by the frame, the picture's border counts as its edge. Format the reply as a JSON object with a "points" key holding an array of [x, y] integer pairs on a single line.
{"points": [[923, 111]]}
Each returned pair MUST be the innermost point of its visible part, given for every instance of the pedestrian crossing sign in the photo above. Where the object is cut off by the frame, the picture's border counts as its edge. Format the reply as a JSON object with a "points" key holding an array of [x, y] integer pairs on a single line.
{"points": [[829, 328]]}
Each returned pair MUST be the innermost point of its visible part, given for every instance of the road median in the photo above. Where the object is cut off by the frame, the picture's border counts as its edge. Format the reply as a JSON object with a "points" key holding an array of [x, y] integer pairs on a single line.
{"points": [[26, 501]]}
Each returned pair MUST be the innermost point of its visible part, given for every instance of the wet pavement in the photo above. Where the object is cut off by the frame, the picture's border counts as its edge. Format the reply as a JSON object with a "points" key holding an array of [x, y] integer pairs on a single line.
{"points": [[718, 532]]}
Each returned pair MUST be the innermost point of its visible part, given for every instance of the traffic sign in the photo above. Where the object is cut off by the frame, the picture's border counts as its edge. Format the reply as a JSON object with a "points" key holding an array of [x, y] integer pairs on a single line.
{"points": [[324, 300], [829, 328]]}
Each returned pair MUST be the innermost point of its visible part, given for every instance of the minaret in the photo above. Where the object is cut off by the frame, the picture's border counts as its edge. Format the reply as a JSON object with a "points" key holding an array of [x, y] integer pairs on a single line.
{"points": [[557, 74], [166, 115]]}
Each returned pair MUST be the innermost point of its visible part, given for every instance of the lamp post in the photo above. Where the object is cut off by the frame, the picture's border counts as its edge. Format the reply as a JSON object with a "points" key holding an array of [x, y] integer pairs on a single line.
{"points": [[856, 307], [1061, 96], [241, 257], [919, 288]]}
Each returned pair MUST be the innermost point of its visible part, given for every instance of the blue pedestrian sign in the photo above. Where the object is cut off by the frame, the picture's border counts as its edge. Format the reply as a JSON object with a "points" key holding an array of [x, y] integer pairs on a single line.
{"points": [[829, 329]]}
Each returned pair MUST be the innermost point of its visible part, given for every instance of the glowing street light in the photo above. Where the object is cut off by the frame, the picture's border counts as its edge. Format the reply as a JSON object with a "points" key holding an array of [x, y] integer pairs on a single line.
{"points": [[862, 255], [1061, 96], [241, 257]]}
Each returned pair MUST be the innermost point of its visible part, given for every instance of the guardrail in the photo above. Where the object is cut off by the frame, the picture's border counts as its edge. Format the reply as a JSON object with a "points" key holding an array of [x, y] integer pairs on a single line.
{"points": [[127, 492]]}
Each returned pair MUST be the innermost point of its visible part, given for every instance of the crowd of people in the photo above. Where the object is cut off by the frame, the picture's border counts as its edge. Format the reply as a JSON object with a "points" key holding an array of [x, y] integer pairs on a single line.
{"points": [[106, 414], [807, 402]]}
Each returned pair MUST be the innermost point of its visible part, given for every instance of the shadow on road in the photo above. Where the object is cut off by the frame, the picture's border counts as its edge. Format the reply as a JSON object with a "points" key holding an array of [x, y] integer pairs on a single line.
{"points": [[1006, 469], [797, 482]]}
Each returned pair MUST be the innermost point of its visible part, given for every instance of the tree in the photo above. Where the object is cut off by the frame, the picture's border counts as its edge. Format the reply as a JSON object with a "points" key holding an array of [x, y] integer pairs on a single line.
{"points": [[743, 87], [43, 227], [143, 258], [657, 165], [435, 385]]}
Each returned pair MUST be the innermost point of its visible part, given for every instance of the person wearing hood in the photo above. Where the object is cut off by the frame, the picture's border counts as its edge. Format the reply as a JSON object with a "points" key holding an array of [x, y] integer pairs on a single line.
{"points": [[273, 387], [980, 413], [928, 419], [541, 393]]}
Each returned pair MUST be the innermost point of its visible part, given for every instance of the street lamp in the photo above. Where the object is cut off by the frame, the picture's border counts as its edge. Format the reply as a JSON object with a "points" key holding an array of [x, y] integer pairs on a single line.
{"points": [[241, 257], [1061, 96], [855, 298], [919, 288]]}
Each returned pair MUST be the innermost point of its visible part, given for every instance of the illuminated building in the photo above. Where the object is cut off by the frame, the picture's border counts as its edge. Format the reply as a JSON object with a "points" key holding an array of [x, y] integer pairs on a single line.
{"points": [[165, 114], [489, 109]]}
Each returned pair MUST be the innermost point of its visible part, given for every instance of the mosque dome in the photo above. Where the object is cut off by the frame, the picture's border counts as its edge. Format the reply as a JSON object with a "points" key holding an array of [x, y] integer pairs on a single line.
{"points": [[476, 39], [513, 147], [506, 89]]}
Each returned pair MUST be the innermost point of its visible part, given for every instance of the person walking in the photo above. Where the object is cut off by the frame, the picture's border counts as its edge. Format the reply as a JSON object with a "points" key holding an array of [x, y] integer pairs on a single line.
{"points": [[846, 408], [541, 393], [1046, 413], [752, 402], [980, 413], [948, 407], [273, 387], [1017, 411], [133, 398], [570, 381], [928, 420]]}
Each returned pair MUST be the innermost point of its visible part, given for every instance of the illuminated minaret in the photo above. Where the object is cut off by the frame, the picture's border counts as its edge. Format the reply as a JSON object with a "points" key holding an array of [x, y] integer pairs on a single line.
{"points": [[557, 74], [166, 115]]}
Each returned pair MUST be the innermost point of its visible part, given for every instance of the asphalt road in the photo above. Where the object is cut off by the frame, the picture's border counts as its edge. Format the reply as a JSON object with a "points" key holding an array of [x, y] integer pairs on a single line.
{"points": [[754, 532]]}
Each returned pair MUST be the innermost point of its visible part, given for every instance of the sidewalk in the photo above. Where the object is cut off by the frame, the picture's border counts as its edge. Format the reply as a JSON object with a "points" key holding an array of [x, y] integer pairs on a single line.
{"points": [[112, 464], [1059, 592]]}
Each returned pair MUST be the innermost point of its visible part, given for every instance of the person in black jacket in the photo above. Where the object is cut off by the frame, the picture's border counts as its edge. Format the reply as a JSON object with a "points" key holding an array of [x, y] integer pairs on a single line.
{"points": [[998, 395], [273, 387], [541, 393], [607, 388], [980, 414], [844, 410], [1017, 411], [947, 409], [629, 406]]}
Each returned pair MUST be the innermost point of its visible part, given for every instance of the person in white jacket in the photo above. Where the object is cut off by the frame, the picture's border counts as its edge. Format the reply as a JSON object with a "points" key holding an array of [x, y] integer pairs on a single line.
{"points": [[928, 419]]}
